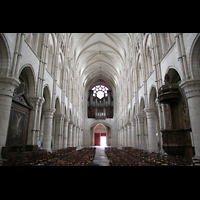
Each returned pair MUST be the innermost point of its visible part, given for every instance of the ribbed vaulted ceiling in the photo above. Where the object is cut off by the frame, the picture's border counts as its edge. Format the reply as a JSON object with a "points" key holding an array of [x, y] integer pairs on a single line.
{"points": [[99, 55]]}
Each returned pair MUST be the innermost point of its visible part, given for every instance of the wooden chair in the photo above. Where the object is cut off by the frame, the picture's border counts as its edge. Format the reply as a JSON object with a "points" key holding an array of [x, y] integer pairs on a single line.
{"points": [[196, 161]]}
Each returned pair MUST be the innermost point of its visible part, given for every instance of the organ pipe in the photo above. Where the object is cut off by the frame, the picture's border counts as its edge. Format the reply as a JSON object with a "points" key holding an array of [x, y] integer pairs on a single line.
{"points": [[91, 97], [95, 112], [109, 98], [104, 112], [96, 102]]}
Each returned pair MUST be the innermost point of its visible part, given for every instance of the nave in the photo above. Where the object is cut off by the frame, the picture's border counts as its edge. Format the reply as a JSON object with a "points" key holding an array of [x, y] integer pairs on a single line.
{"points": [[57, 88]]}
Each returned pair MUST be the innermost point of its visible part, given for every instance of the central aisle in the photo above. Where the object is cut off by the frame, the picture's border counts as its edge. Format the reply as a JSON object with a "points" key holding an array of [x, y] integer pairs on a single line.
{"points": [[100, 157]]}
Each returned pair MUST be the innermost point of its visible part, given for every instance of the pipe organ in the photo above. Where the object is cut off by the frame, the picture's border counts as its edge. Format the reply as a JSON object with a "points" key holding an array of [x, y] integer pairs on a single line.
{"points": [[100, 108]]}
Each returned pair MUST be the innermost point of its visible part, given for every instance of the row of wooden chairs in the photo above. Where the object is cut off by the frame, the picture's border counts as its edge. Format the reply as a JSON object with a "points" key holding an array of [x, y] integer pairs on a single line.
{"points": [[82, 157], [119, 157], [129, 156], [160, 159], [32, 158], [44, 158]]}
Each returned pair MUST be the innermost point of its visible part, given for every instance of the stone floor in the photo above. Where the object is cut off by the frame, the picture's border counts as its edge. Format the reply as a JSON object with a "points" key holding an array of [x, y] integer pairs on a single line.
{"points": [[100, 158]]}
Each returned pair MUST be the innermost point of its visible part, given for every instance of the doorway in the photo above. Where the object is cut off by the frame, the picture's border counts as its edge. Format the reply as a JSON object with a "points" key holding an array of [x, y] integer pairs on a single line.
{"points": [[103, 141], [100, 135], [100, 139]]}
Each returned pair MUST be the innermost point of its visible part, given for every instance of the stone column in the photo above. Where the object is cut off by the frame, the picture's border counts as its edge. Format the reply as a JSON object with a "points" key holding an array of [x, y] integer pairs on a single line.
{"points": [[133, 134], [7, 86], [151, 122], [137, 132], [77, 136], [122, 137], [70, 134], [141, 131], [31, 138], [126, 127], [39, 120], [192, 91], [81, 137], [41, 130], [118, 138], [74, 137], [61, 131], [128, 136], [160, 125], [47, 133], [58, 130], [65, 133], [56, 141]]}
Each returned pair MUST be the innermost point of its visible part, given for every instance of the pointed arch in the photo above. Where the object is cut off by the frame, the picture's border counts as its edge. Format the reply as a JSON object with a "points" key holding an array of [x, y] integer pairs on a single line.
{"points": [[100, 125], [52, 41], [194, 58], [47, 97], [130, 116], [51, 53], [27, 75], [134, 112], [142, 105], [58, 106], [174, 72], [152, 96], [139, 71], [5, 56], [70, 115]]}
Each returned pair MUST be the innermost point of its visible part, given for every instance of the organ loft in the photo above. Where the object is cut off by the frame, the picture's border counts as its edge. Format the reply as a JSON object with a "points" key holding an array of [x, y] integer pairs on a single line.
{"points": [[100, 102]]}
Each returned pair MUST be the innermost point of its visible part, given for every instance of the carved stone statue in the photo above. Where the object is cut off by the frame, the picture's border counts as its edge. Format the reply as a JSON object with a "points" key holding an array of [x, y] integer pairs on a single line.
{"points": [[167, 79]]}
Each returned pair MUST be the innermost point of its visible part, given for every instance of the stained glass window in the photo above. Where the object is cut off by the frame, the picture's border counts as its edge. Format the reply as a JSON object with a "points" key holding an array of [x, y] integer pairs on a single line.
{"points": [[100, 91]]}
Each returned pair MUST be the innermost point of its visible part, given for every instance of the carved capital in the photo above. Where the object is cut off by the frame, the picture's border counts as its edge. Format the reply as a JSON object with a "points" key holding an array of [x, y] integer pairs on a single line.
{"points": [[191, 88], [133, 123], [59, 117], [150, 112], [71, 123], [34, 101], [8, 85], [49, 112], [140, 118], [67, 119]]}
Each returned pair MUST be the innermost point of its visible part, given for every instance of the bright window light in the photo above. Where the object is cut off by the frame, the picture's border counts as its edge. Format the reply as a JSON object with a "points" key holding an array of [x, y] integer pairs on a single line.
{"points": [[99, 91], [100, 94]]}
